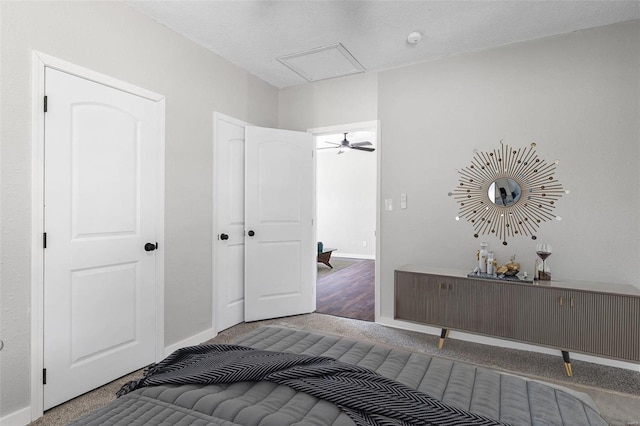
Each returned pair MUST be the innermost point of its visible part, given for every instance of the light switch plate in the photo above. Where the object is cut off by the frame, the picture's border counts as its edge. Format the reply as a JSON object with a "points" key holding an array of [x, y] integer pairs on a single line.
{"points": [[388, 204], [403, 201]]}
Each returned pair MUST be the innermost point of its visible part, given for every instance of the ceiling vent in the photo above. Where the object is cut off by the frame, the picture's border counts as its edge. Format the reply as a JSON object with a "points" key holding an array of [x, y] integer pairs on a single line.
{"points": [[322, 63]]}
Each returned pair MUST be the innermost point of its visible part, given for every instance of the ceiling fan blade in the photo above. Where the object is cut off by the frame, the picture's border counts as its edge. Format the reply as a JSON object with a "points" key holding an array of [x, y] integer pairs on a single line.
{"points": [[329, 147], [361, 143], [360, 148], [332, 143]]}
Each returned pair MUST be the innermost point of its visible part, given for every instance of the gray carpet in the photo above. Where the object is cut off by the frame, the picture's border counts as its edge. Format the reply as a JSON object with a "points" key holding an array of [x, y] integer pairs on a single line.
{"points": [[615, 391]]}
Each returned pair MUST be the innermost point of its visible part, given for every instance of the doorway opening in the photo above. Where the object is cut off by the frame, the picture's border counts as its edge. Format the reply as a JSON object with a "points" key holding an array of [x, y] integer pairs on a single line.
{"points": [[346, 211]]}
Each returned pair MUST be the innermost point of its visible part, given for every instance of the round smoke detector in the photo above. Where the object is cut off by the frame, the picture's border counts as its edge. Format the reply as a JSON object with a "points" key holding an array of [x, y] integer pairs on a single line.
{"points": [[414, 37]]}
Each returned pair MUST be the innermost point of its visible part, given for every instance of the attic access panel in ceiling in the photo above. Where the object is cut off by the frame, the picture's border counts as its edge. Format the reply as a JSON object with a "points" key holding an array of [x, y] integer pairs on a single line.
{"points": [[323, 63]]}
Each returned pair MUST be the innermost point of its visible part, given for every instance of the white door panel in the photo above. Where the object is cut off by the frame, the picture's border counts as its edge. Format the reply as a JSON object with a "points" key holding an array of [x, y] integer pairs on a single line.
{"points": [[118, 284], [102, 153], [279, 192], [228, 253], [104, 142], [279, 209]]}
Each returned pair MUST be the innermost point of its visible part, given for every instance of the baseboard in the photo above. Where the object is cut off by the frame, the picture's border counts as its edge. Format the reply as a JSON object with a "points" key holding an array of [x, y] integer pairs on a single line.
{"points": [[196, 339], [17, 418], [354, 256], [494, 341], [23, 417]]}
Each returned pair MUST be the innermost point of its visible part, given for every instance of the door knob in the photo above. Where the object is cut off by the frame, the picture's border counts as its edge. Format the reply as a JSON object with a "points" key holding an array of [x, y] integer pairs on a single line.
{"points": [[150, 246], [224, 237], [251, 233]]}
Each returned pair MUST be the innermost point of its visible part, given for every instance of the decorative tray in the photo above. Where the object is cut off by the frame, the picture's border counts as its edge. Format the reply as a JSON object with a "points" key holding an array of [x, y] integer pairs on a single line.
{"points": [[485, 276]]}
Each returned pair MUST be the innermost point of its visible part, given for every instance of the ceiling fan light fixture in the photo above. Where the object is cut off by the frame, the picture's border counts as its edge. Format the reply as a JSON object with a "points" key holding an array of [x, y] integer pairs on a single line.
{"points": [[345, 145]]}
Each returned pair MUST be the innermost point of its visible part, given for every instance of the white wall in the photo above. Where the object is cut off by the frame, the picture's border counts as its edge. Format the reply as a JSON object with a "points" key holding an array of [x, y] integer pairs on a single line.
{"points": [[113, 39], [346, 196]]}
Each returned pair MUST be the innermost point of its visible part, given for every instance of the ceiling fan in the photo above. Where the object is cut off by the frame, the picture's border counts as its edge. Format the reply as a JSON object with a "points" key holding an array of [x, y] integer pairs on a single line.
{"points": [[360, 146]]}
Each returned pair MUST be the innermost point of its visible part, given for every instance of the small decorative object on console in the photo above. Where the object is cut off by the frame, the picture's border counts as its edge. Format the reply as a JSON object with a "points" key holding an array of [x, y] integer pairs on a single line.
{"points": [[508, 271], [542, 270], [490, 266], [513, 267], [482, 258]]}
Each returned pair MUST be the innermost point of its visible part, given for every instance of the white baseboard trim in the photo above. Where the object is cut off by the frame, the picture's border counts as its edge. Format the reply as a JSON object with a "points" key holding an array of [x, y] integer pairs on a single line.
{"points": [[17, 418], [354, 256], [196, 339], [23, 417], [493, 341]]}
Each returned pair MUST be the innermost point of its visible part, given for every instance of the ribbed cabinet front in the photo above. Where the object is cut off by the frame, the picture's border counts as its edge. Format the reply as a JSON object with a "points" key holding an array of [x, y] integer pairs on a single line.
{"points": [[570, 320]]}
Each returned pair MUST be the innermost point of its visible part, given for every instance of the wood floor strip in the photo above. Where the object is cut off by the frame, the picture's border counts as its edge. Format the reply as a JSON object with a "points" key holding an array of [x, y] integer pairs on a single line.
{"points": [[349, 292]]}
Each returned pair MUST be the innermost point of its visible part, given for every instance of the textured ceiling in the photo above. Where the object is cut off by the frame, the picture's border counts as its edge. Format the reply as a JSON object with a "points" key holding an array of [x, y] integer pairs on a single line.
{"points": [[253, 34]]}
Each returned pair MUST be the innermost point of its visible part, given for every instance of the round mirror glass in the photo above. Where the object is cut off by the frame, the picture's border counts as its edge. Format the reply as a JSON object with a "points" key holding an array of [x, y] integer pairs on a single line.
{"points": [[504, 192]]}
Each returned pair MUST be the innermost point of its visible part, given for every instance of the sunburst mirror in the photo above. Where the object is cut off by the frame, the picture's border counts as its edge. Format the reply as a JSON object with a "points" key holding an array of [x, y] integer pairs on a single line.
{"points": [[507, 192]]}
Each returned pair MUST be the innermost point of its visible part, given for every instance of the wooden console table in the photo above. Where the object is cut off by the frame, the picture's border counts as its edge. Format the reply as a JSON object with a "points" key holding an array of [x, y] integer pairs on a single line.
{"points": [[592, 318]]}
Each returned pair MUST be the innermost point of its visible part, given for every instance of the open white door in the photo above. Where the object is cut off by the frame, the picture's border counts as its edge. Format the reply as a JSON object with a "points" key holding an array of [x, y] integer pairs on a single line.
{"points": [[103, 157], [280, 248], [228, 241]]}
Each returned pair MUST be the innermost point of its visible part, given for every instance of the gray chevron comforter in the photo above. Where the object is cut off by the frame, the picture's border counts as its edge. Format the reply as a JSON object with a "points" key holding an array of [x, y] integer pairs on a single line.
{"points": [[334, 381]]}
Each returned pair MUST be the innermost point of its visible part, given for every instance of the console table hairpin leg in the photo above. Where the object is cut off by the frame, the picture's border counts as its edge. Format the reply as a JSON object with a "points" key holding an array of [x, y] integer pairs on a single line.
{"points": [[567, 363], [444, 333]]}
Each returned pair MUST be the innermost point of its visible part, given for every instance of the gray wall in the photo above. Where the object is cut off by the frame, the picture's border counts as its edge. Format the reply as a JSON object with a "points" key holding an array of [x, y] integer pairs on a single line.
{"points": [[577, 96], [111, 38], [343, 100]]}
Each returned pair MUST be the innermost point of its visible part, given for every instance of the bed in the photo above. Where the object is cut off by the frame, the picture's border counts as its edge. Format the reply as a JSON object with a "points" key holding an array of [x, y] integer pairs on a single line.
{"points": [[486, 395]]}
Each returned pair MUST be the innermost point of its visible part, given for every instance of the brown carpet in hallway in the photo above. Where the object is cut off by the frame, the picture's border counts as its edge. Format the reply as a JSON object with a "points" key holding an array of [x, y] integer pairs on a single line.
{"points": [[349, 292]]}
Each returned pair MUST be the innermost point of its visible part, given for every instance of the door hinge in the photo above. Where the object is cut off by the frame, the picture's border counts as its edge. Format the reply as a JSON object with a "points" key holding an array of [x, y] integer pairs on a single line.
{"points": [[45, 104], [44, 376], [44, 240]]}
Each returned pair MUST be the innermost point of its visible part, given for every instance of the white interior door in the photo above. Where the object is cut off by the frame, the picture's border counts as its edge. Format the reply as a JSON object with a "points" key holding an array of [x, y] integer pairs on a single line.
{"points": [[228, 244], [280, 248], [102, 162]]}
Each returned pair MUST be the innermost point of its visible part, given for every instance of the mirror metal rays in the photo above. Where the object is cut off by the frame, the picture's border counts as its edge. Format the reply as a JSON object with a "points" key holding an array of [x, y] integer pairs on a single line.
{"points": [[507, 192]]}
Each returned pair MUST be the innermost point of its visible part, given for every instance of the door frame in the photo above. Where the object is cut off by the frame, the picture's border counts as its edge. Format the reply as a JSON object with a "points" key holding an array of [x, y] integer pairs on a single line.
{"points": [[352, 127], [40, 61]]}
